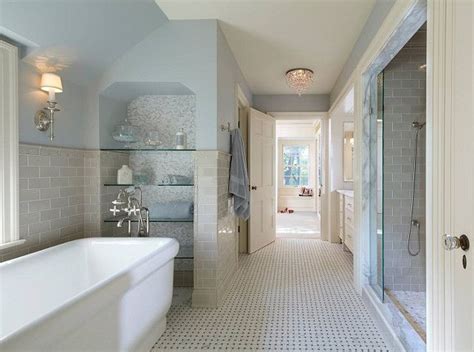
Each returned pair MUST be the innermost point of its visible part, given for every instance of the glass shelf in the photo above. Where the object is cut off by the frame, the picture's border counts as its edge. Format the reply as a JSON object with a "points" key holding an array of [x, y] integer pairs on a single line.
{"points": [[175, 185], [155, 220], [157, 185], [146, 150]]}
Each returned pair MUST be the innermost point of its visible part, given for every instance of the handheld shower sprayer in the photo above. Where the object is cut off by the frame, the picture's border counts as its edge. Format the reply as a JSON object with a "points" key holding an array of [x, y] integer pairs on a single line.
{"points": [[414, 222]]}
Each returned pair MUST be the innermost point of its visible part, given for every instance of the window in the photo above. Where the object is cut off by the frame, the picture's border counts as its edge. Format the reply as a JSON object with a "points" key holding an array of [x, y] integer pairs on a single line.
{"points": [[9, 228], [295, 165]]}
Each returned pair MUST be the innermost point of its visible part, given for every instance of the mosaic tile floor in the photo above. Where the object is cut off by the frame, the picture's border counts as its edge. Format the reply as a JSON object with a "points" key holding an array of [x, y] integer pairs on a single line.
{"points": [[293, 295], [300, 224]]}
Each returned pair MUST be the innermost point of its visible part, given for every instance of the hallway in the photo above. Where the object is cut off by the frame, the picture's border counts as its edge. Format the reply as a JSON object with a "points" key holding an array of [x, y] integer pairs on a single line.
{"points": [[295, 294]]}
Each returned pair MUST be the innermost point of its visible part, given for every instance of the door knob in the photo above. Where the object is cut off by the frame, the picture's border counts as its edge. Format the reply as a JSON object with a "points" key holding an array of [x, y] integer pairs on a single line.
{"points": [[254, 188], [453, 242]]}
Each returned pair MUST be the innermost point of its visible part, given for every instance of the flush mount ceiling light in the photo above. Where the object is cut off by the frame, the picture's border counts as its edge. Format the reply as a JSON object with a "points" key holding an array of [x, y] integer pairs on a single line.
{"points": [[300, 79]]}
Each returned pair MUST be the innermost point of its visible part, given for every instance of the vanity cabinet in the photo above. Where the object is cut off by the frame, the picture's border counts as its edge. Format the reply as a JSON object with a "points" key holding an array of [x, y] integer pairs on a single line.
{"points": [[346, 218]]}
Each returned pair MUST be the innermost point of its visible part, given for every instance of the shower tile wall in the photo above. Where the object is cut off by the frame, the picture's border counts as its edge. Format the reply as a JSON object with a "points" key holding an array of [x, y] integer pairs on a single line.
{"points": [[404, 102]]}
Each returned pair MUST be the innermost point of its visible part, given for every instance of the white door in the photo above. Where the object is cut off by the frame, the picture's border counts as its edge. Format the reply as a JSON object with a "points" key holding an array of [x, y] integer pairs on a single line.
{"points": [[262, 180], [460, 167], [452, 303]]}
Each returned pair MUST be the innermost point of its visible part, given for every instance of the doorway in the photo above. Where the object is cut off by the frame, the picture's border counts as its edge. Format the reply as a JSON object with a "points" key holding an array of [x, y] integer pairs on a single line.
{"points": [[242, 124], [298, 179], [449, 164], [398, 197]]}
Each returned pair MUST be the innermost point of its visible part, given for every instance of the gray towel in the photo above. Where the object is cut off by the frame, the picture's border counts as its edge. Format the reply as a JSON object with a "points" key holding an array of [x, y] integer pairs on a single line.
{"points": [[239, 179]]}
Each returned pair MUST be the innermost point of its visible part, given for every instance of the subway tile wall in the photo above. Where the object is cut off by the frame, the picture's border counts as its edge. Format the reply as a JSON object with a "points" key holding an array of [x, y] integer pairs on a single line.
{"points": [[404, 102], [215, 236], [51, 197], [227, 236], [61, 195]]}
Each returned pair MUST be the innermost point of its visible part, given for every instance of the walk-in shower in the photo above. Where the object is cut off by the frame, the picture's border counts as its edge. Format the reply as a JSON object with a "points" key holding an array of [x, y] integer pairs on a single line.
{"points": [[398, 172]]}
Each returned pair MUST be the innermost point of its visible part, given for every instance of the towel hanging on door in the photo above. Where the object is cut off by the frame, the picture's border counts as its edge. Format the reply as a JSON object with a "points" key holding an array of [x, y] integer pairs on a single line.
{"points": [[239, 179]]}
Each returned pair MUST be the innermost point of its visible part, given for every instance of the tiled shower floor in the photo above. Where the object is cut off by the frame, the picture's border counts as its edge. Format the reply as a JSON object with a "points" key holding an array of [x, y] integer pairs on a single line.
{"points": [[295, 294], [415, 304]]}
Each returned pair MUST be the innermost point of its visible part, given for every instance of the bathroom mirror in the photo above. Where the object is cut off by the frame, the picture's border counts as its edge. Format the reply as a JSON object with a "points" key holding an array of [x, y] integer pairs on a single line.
{"points": [[348, 151]]}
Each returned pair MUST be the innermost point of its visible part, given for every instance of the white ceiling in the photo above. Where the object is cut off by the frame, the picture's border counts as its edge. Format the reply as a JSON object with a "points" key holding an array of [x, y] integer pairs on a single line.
{"points": [[268, 37]]}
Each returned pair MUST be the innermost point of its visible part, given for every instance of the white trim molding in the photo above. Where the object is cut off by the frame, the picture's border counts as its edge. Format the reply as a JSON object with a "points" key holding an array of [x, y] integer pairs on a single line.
{"points": [[9, 203]]}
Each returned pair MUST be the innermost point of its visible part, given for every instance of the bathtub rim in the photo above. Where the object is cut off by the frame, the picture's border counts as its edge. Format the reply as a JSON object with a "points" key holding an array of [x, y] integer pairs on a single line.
{"points": [[101, 284]]}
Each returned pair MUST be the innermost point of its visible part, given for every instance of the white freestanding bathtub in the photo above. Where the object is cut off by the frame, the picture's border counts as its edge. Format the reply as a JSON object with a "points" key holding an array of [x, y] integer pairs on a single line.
{"points": [[95, 294]]}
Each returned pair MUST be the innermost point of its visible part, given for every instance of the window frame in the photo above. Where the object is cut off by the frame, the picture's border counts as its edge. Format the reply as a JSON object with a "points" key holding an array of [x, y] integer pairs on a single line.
{"points": [[9, 147], [288, 142]]}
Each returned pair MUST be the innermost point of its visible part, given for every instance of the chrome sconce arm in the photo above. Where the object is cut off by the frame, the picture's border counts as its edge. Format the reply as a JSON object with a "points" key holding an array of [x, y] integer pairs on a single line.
{"points": [[44, 119]]}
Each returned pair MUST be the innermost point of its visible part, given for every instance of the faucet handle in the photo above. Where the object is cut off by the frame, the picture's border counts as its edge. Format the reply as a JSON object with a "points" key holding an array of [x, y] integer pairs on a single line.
{"points": [[134, 210], [114, 210]]}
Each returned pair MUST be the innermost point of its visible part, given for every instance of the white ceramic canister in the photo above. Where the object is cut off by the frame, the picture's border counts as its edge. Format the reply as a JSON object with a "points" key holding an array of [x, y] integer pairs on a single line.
{"points": [[124, 175]]}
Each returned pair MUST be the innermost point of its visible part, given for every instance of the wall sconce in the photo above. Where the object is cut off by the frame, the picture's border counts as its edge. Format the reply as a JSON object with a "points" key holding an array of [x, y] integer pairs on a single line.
{"points": [[44, 119]]}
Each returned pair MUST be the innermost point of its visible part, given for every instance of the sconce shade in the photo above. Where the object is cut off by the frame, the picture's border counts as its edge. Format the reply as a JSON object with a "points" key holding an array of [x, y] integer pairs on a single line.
{"points": [[51, 82]]}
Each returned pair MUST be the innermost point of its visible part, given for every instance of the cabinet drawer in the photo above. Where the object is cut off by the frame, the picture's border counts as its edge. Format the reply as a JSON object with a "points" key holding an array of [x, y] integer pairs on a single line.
{"points": [[349, 217], [349, 230], [349, 203]]}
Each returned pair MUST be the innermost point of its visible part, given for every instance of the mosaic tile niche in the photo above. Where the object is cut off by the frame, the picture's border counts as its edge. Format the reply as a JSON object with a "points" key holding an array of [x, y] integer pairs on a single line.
{"points": [[167, 114]]}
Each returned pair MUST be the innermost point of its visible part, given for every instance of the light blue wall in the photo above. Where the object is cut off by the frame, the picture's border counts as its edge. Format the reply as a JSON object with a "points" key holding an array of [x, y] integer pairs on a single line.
{"points": [[291, 103], [192, 53], [80, 38], [112, 112], [70, 126], [375, 20], [179, 51], [228, 76]]}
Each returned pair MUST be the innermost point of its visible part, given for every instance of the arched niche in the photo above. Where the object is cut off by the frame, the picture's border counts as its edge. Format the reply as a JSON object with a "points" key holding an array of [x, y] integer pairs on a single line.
{"points": [[164, 106]]}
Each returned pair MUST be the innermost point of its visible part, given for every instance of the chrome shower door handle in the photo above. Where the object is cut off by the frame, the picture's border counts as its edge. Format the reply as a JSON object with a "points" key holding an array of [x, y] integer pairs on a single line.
{"points": [[453, 242]]}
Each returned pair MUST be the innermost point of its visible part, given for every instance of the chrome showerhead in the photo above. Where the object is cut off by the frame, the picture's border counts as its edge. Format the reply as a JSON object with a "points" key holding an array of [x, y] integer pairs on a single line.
{"points": [[418, 125]]}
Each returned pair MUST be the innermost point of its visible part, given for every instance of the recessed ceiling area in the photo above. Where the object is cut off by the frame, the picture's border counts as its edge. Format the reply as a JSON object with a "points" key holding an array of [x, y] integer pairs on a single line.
{"points": [[268, 37]]}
